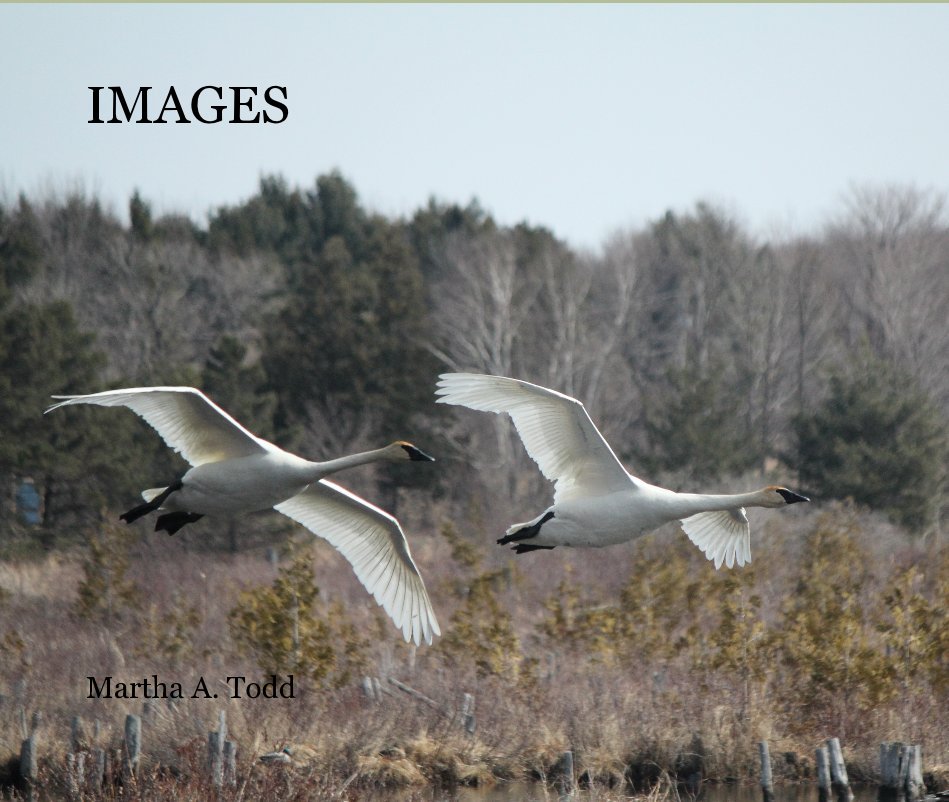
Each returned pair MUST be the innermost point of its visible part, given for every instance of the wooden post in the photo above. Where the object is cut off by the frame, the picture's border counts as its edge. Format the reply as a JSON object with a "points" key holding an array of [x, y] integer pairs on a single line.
{"points": [[133, 744], [565, 781], [77, 736], [216, 743], [838, 771], [914, 773], [822, 761], [891, 771], [767, 784], [75, 773], [28, 765], [215, 759], [230, 764], [98, 768], [467, 714]]}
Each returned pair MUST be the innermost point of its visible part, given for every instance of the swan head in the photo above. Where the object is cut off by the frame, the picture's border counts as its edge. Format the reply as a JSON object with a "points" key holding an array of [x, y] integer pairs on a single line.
{"points": [[776, 496], [400, 450]]}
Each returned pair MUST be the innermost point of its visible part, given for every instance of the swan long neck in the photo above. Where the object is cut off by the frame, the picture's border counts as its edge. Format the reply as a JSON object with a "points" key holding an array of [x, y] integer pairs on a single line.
{"points": [[321, 469], [692, 503]]}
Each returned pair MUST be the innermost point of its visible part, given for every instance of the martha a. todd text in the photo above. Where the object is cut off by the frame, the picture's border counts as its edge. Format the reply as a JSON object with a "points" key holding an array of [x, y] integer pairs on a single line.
{"points": [[153, 688]]}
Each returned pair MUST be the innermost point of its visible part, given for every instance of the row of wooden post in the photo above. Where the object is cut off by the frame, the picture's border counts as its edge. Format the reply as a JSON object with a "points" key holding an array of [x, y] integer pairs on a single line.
{"points": [[900, 764], [901, 772], [87, 768]]}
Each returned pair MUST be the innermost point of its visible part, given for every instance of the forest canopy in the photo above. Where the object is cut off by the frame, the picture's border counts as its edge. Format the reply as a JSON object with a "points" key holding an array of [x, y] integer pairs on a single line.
{"points": [[702, 351]]}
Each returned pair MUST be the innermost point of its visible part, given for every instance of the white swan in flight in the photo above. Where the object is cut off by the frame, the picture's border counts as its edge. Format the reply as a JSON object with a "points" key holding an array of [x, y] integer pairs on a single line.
{"points": [[596, 501], [234, 471]]}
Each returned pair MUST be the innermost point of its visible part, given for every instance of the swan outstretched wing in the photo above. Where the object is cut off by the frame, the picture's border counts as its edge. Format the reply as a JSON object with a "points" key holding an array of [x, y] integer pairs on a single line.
{"points": [[375, 546], [724, 535], [555, 429], [187, 420]]}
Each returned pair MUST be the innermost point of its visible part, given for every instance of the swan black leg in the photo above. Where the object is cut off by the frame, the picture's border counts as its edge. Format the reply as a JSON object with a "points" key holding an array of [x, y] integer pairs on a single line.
{"points": [[523, 548], [526, 532], [171, 522], [150, 506]]}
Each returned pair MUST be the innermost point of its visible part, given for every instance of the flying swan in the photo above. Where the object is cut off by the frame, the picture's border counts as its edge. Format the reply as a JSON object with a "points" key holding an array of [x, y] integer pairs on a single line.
{"points": [[596, 501], [234, 471]]}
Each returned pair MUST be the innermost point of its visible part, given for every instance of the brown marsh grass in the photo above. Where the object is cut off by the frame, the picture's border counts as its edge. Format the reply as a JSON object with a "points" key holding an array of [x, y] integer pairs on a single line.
{"points": [[641, 706]]}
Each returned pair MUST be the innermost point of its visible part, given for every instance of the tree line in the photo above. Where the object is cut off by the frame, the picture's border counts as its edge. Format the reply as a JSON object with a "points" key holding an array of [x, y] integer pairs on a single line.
{"points": [[702, 351]]}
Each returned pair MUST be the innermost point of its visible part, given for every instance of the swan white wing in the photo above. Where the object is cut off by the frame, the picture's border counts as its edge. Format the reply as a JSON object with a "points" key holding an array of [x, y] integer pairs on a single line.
{"points": [[555, 429], [187, 420], [375, 546], [724, 535]]}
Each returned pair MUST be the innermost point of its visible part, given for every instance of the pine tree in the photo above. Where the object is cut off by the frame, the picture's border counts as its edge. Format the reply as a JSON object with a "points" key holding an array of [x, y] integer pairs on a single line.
{"points": [[105, 593], [877, 440]]}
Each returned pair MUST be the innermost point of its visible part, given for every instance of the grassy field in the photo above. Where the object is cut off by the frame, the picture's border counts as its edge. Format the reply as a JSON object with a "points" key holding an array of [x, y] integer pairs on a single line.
{"points": [[641, 659]]}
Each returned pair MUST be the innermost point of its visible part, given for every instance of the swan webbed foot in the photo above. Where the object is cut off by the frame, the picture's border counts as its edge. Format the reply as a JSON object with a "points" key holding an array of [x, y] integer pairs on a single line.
{"points": [[171, 522], [526, 532], [137, 512]]}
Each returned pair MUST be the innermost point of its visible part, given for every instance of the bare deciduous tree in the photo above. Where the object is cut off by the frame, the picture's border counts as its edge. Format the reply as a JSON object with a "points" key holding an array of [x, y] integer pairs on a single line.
{"points": [[890, 257], [156, 307]]}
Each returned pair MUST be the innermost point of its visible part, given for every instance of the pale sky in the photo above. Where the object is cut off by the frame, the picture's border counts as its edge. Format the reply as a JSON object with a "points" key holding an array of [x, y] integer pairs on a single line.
{"points": [[582, 118]]}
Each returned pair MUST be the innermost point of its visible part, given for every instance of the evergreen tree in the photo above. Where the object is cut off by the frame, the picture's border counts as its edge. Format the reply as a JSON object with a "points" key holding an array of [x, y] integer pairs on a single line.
{"points": [[21, 248], [42, 353], [693, 429], [353, 329], [283, 626], [105, 592], [834, 670], [140, 217], [238, 386], [878, 440]]}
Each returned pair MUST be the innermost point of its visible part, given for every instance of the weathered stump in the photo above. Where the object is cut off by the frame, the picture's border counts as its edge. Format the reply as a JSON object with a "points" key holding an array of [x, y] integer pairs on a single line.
{"points": [[564, 774], [133, 744], [77, 735], [767, 784], [98, 767], [28, 767], [230, 764], [915, 789], [838, 771], [467, 714], [76, 774], [822, 761], [217, 741]]}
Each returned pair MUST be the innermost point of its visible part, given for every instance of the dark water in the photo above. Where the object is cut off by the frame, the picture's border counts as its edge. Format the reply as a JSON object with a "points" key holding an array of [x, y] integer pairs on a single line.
{"points": [[534, 792]]}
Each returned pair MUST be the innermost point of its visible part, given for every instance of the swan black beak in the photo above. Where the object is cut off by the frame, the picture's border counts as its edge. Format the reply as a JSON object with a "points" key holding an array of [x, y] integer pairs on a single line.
{"points": [[416, 454], [791, 497]]}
